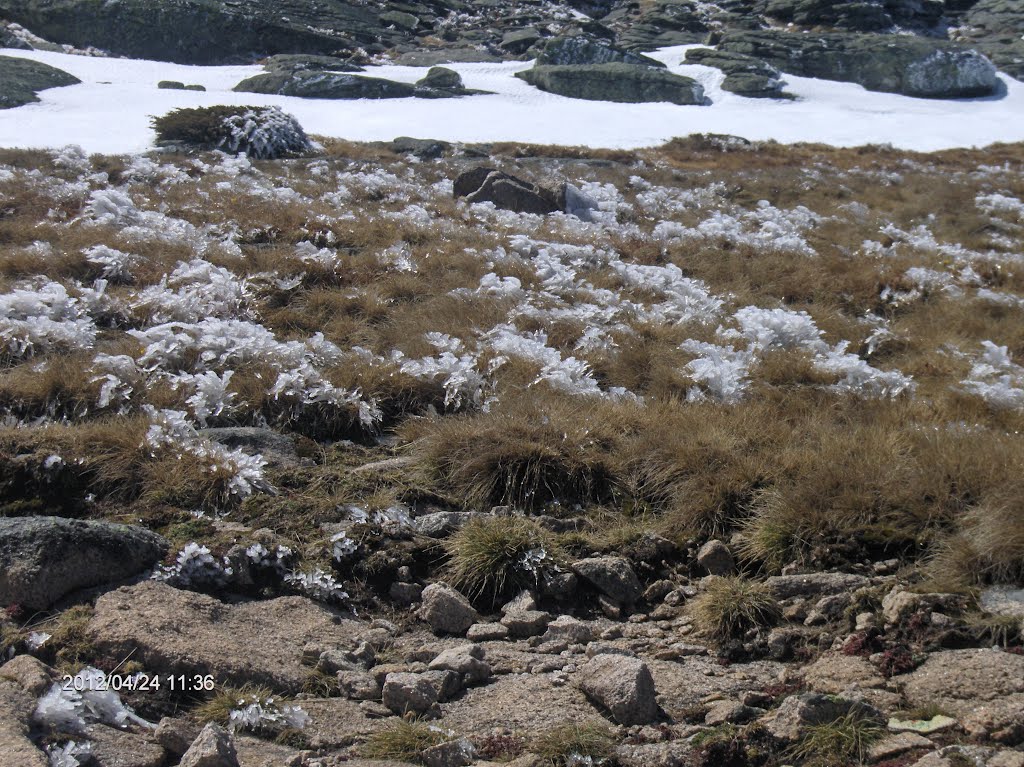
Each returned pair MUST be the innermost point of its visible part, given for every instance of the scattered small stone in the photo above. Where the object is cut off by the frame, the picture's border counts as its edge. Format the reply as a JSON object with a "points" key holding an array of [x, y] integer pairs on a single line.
{"points": [[525, 623], [406, 693], [405, 594], [612, 576], [621, 685], [32, 675], [175, 735], [359, 685], [730, 712], [716, 559], [465, 660], [213, 748], [486, 632], [446, 611], [454, 753]]}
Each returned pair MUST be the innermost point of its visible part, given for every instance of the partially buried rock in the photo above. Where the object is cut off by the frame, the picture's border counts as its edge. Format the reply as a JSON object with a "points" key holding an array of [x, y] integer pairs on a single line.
{"points": [[45, 558], [619, 82], [314, 84], [442, 78], [505, 191], [21, 80], [621, 685]]}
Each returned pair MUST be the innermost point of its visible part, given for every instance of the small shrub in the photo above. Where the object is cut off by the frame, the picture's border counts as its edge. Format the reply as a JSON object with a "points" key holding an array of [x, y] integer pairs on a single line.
{"points": [[839, 742], [261, 132], [731, 606], [493, 557], [404, 741], [572, 743]]}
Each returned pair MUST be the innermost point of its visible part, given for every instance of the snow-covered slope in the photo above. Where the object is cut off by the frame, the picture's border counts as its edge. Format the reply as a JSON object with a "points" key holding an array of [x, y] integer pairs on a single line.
{"points": [[110, 111]]}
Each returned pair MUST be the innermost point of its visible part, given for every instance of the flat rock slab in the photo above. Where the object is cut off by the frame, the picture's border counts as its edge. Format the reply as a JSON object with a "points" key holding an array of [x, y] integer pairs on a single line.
{"points": [[45, 558], [522, 702], [15, 748], [983, 689], [175, 631], [682, 685]]}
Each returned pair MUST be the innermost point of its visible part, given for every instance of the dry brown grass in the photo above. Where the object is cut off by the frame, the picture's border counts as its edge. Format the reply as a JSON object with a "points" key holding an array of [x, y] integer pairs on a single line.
{"points": [[791, 467]]}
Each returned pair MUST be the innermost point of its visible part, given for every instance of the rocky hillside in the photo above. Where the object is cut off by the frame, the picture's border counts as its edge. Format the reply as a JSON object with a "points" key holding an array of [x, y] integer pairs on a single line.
{"points": [[900, 33], [415, 453]]}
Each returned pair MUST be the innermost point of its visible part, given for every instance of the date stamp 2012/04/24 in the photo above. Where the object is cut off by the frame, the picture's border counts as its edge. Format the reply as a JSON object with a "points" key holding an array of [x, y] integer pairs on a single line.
{"points": [[141, 682]]}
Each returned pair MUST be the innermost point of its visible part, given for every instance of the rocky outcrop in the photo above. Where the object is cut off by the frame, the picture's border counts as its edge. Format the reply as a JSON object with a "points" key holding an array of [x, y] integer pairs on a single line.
{"points": [[911, 66], [327, 84], [855, 15], [582, 49], [744, 75], [45, 558], [22, 79], [627, 83], [203, 31], [996, 27]]}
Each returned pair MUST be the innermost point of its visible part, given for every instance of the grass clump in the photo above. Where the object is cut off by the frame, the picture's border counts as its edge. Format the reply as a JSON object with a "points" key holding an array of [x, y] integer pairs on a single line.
{"points": [[70, 639], [491, 558], [1002, 630], [730, 606], [839, 742], [226, 699], [261, 132], [405, 740], [573, 743]]}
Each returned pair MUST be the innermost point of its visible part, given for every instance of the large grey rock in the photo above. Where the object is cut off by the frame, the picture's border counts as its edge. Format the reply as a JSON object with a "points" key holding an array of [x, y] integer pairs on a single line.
{"points": [[304, 62], [612, 576], [314, 84], [625, 83], [171, 631], [446, 611], [621, 685], [22, 79], [45, 558], [204, 31], [582, 49], [909, 65], [10, 40], [744, 75], [213, 748]]}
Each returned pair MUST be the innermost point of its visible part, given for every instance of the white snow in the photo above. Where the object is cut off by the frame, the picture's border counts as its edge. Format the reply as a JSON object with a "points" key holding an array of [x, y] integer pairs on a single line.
{"points": [[110, 111]]}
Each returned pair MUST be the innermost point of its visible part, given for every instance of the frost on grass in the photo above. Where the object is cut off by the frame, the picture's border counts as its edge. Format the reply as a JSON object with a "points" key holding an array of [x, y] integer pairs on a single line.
{"points": [[766, 228], [265, 715], [318, 585], [69, 708], [171, 433], [722, 371], [43, 318], [996, 378], [195, 568]]}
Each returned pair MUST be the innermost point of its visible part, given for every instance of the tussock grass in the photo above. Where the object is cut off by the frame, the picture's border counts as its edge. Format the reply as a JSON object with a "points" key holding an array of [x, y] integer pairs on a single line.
{"points": [[840, 742], [559, 746], [486, 557], [730, 606], [405, 740], [523, 456], [225, 698]]}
